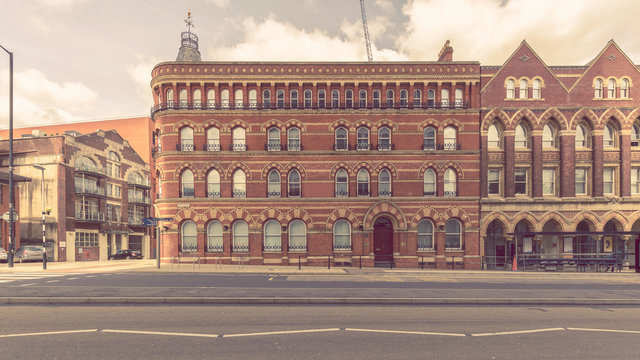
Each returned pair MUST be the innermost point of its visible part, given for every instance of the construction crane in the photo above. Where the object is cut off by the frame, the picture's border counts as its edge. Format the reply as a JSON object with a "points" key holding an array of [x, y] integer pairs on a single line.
{"points": [[366, 31]]}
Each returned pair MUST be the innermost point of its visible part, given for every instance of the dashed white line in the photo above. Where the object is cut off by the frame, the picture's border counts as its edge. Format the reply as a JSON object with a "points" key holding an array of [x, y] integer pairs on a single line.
{"points": [[50, 281], [404, 332], [49, 333], [160, 333], [519, 332], [282, 332]]}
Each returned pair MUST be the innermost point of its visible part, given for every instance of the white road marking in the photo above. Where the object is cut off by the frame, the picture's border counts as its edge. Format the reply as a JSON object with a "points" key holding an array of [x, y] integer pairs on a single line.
{"points": [[405, 332], [160, 333], [49, 333], [282, 332], [50, 281], [29, 284], [73, 278], [519, 332], [606, 330]]}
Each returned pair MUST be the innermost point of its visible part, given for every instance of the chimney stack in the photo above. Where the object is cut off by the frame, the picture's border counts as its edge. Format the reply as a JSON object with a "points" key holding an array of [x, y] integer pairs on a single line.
{"points": [[446, 54]]}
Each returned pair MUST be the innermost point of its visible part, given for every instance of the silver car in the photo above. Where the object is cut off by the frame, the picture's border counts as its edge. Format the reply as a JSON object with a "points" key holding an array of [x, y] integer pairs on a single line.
{"points": [[28, 253], [3, 255]]}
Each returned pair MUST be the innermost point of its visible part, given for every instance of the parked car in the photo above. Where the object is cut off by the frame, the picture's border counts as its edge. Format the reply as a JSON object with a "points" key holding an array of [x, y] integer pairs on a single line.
{"points": [[3, 255], [126, 254], [28, 253]]}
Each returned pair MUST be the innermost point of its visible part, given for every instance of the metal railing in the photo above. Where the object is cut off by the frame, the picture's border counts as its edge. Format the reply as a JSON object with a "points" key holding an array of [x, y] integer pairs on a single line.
{"points": [[135, 220], [445, 146], [89, 216], [384, 193], [273, 147], [341, 146], [273, 194], [385, 146], [213, 194], [185, 146], [240, 248], [90, 190], [293, 146], [239, 194], [342, 193], [238, 147], [139, 199], [211, 147], [90, 168], [362, 146], [187, 193]]}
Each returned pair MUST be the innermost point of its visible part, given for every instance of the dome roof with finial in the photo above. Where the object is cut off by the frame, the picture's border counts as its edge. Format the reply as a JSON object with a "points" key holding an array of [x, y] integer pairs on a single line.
{"points": [[189, 43]]}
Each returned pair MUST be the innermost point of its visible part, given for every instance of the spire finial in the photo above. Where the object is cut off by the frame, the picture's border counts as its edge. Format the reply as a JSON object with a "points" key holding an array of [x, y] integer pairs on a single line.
{"points": [[188, 21]]}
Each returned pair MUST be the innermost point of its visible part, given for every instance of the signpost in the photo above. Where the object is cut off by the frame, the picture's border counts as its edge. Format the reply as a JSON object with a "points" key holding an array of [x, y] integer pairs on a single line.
{"points": [[153, 221]]}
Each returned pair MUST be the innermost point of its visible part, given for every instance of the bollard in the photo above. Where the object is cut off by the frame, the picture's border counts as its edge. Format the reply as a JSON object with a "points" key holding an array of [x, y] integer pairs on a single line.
{"points": [[329, 261], [360, 265], [422, 263], [299, 268]]}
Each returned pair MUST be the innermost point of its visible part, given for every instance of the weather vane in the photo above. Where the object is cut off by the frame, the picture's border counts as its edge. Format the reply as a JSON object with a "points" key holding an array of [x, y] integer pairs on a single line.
{"points": [[188, 21]]}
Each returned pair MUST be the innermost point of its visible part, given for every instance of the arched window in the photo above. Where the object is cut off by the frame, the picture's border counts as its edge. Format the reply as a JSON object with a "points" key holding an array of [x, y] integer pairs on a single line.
{"points": [[182, 95], [493, 137], [425, 235], [611, 89], [341, 235], [238, 98], [239, 184], [511, 89], [272, 236], [450, 138], [458, 98], [224, 98], [444, 98], [363, 182], [322, 99], [390, 98], [363, 138], [297, 236], [342, 183], [376, 98], [213, 139], [113, 156], [609, 136], [521, 139], [342, 143], [624, 89], [197, 98], [384, 138], [158, 185], [536, 89], [335, 99], [362, 98], [186, 138], [266, 98], [404, 98], [280, 98], [384, 183], [293, 98], [214, 236], [582, 135], [597, 88], [189, 235], [524, 89], [211, 98], [240, 236], [431, 98], [348, 97], [417, 97], [170, 97], [238, 139], [453, 235], [450, 180], [307, 98], [213, 184], [273, 187], [293, 139], [429, 183], [186, 184], [273, 141], [548, 136], [635, 135], [253, 98], [429, 138], [293, 183]]}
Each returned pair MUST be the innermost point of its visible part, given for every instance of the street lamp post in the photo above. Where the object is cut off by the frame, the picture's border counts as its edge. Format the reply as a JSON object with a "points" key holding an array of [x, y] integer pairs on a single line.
{"points": [[11, 210], [44, 229]]}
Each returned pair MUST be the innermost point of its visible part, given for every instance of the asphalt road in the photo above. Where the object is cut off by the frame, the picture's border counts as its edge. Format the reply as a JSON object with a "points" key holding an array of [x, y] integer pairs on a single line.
{"points": [[374, 285], [319, 332]]}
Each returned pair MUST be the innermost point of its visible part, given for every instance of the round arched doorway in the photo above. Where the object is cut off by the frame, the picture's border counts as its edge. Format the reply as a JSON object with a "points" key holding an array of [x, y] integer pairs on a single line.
{"points": [[383, 241]]}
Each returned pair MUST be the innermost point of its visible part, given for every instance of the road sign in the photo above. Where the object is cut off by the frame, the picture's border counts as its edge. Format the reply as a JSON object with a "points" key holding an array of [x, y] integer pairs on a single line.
{"points": [[164, 219], [149, 221], [7, 216]]}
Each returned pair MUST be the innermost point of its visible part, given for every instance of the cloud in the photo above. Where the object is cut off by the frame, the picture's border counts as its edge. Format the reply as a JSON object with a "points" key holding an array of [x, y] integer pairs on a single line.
{"points": [[562, 32], [272, 40], [59, 3], [39, 100], [385, 5], [219, 3], [140, 73]]}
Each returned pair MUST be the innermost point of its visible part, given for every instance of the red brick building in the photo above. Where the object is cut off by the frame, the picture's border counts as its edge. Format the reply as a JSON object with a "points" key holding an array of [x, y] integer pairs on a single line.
{"points": [[4, 207], [560, 153], [341, 162]]}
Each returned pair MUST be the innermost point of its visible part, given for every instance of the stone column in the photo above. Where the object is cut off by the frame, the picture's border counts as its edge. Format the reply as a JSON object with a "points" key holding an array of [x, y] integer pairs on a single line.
{"points": [[597, 163], [567, 163], [509, 163], [625, 163], [536, 163]]}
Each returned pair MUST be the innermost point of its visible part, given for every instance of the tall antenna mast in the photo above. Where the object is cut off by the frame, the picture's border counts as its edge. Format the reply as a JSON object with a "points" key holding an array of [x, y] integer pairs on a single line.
{"points": [[366, 30]]}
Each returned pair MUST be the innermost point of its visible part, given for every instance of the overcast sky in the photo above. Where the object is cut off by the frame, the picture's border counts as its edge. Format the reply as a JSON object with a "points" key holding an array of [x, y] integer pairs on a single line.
{"points": [[83, 60]]}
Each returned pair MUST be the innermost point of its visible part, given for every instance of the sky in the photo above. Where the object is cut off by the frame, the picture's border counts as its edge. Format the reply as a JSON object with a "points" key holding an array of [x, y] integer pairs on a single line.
{"points": [[87, 60]]}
